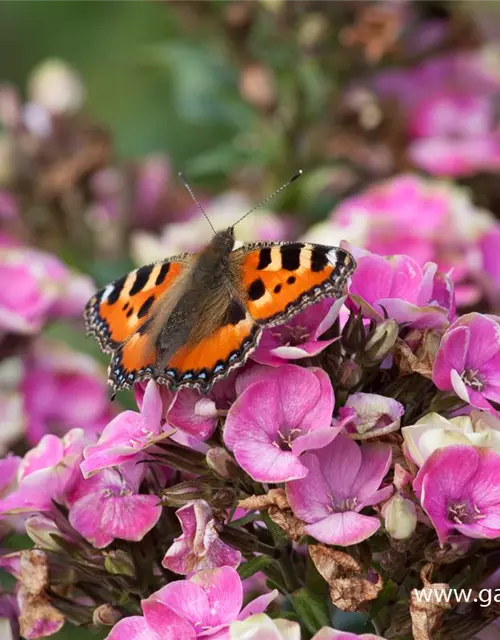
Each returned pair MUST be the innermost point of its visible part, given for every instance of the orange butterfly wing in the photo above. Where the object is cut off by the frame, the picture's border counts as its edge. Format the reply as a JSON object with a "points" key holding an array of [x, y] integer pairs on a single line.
{"points": [[118, 316], [281, 279]]}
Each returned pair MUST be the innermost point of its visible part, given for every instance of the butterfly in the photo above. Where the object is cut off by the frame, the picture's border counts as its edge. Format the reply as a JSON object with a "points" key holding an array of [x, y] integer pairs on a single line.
{"points": [[189, 320]]}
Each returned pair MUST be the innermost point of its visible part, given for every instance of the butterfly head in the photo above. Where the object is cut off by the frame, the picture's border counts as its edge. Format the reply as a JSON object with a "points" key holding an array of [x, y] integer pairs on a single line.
{"points": [[223, 241]]}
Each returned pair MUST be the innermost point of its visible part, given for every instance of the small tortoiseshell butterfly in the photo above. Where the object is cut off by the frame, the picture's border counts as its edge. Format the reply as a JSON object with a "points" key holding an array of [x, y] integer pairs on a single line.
{"points": [[189, 320]]}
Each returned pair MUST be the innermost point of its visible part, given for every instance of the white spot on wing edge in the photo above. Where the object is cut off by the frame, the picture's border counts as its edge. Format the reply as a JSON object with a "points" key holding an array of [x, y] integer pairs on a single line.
{"points": [[332, 256], [107, 292]]}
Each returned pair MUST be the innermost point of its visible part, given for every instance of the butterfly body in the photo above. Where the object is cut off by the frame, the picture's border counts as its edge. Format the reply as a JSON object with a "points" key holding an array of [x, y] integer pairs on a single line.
{"points": [[191, 319]]}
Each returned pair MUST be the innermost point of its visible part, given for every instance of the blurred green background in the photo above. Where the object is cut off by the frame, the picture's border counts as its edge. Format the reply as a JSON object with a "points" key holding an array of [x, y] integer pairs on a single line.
{"points": [[152, 83]]}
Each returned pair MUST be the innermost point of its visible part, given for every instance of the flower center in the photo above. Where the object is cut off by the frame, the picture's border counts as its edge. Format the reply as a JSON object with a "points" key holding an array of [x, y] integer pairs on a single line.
{"points": [[285, 438], [472, 379], [463, 513], [340, 506], [116, 492], [292, 336]]}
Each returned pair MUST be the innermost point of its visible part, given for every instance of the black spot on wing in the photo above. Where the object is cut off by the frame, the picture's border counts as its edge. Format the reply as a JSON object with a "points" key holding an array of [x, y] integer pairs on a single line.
{"points": [[319, 259], [129, 312], [291, 279], [264, 258], [165, 267], [145, 307], [277, 288], [117, 289], [290, 256], [141, 278], [235, 313], [256, 290]]}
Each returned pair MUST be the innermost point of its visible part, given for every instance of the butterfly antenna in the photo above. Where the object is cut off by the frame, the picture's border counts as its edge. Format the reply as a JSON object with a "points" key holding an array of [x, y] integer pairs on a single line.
{"points": [[181, 176], [266, 200]]}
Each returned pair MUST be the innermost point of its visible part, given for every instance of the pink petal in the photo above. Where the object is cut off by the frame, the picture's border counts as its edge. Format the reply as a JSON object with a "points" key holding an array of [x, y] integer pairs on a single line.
{"points": [[48, 452], [258, 605], [426, 317], [152, 407], [314, 440], [184, 414], [484, 341], [451, 355], [375, 463], [265, 462], [185, 598], [342, 461], [309, 497], [102, 520], [343, 529], [486, 486], [164, 623], [224, 592], [134, 628]]}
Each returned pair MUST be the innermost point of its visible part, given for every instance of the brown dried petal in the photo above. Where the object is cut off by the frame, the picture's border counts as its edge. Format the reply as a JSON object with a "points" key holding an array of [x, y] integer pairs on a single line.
{"points": [[333, 564], [275, 497], [34, 574], [36, 610], [427, 606], [349, 594], [417, 353], [292, 526]]}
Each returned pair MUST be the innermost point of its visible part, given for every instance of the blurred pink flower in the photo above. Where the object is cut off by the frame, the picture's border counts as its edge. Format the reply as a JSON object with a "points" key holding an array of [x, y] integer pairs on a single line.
{"points": [[300, 336], [199, 546], [127, 435], [490, 262], [52, 371], [342, 479], [37, 287], [202, 607], [9, 612], [277, 418], [455, 135], [458, 489], [399, 287], [468, 360], [46, 473], [430, 220], [108, 506]]}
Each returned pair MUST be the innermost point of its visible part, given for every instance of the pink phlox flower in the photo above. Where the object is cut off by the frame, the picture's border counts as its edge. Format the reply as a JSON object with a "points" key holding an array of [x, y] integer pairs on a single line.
{"points": [[51, 372], [300, 336], [459, 490], [278, 417], [343, 478], [126, 436], [108, 506], [46, 473], [468, 361], [199, 546], [37, 286], [202, 606], [399, 287]]}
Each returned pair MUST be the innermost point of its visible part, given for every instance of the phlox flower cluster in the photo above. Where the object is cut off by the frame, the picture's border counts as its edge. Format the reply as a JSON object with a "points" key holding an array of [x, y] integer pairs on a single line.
{"points": [[360, 439]]}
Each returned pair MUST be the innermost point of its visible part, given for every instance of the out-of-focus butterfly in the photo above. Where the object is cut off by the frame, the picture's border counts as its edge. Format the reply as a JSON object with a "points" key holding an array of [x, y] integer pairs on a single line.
{"points": [[189, 320]]}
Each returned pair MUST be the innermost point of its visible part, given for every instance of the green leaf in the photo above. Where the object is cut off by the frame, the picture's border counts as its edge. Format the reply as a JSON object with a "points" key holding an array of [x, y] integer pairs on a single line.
{"points": [[253, 566], [312, 611]]}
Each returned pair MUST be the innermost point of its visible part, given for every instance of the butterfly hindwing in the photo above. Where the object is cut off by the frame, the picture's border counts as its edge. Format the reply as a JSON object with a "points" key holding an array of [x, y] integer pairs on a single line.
{"points": [[117, 311], [279, 280]]}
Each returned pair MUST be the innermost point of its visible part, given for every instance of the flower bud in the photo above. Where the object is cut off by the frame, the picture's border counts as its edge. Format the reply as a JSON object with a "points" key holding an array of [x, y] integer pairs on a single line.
{"points": [[353, 333], [400, 517], [380, 342], [42, 531], [350, 374], [220, 461], [119, 563], [184, 492], [106, 615]]}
